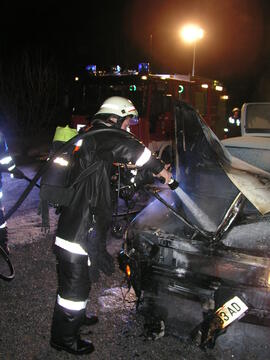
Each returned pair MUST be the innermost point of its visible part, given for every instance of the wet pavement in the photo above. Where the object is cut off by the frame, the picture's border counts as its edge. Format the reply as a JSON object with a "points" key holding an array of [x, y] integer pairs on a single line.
{"points": [[26, 309], [27, 304]]}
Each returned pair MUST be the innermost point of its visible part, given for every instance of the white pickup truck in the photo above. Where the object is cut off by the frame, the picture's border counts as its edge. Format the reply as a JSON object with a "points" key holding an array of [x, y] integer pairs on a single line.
{"points": [[254, 144]]}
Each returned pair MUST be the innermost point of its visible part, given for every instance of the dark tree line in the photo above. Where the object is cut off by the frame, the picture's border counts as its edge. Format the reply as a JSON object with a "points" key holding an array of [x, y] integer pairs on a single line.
{"points": [[31, 98]]}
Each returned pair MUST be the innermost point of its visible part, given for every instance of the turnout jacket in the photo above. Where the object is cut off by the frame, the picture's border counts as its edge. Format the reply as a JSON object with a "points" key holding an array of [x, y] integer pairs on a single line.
{"points": [[92, 200], [6, 162]]}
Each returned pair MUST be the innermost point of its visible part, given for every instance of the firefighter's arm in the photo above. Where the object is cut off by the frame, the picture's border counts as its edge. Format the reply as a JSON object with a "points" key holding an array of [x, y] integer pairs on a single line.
{"points": [[12, 170], [134, 152], [157, 167], [17, 173], [6, 161]]}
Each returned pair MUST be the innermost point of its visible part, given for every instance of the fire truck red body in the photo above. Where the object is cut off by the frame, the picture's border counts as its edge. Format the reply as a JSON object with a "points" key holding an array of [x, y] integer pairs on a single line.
{"points": [[154, 96]]}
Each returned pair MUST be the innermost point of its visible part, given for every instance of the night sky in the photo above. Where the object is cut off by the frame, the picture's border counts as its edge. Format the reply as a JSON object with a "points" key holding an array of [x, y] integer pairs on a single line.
{"points": [[234, 50]]}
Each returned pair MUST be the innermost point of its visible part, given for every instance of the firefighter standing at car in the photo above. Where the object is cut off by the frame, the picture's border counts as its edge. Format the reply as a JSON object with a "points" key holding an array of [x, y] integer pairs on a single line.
{"points": [[233, 128], [80, 244], [6, 165]]}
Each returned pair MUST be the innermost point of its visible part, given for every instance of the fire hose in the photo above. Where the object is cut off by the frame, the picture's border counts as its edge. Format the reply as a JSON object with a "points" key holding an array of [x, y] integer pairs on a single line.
{"points": [[43, 169]]}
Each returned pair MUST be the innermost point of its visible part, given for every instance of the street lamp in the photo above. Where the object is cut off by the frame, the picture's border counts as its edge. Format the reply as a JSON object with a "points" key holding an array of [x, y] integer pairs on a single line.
{"points": [[191, 34]]}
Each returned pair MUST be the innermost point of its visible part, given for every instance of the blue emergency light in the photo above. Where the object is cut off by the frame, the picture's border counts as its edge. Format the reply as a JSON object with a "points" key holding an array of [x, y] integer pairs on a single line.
{"points": [[116, 69], [143, 68], [91, 68]]}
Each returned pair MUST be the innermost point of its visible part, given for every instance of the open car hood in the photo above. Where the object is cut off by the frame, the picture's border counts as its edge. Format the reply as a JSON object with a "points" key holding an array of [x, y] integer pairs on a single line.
{"points": [[215, 188], [200, 151]]}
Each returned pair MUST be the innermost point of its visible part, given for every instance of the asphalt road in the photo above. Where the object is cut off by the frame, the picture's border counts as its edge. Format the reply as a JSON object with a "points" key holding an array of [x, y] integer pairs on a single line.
{"points": [[27, 304]]}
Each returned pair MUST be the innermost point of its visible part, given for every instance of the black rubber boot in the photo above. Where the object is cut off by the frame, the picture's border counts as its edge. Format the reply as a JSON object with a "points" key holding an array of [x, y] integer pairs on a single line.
{"points": [[79, 347], [65, 332], [90, 320]]}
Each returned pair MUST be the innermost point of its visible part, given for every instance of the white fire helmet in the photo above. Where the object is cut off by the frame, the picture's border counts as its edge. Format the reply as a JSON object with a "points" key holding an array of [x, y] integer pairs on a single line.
{"points": [[121, 107]]}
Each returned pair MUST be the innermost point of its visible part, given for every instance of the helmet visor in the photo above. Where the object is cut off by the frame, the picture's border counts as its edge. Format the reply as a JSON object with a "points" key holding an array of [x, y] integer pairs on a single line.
{"points": [[134, 120]]}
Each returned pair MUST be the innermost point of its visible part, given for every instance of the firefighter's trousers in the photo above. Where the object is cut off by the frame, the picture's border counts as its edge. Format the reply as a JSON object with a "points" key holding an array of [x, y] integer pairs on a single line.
{"points": [[3, 226], [72, 294]]}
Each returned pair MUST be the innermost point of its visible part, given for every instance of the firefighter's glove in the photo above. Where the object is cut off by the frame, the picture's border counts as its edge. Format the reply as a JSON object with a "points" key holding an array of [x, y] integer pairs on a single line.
{"points": [[106, 263], [143, 177], [17, 173]]}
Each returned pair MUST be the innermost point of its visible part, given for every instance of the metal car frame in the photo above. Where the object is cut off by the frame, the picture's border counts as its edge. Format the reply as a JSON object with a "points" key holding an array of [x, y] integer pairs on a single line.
{"points": [[168, 263]]}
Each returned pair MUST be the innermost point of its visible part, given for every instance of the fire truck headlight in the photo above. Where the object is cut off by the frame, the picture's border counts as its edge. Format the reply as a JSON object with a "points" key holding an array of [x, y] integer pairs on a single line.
{"points": [[219, 88]]}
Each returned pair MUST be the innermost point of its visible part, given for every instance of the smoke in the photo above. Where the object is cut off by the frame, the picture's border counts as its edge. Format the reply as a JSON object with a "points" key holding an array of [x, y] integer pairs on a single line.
{"points": [[200, 216]]}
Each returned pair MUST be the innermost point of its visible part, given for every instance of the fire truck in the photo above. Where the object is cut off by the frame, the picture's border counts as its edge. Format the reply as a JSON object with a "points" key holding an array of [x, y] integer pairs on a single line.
{"points": [[154, 96]]}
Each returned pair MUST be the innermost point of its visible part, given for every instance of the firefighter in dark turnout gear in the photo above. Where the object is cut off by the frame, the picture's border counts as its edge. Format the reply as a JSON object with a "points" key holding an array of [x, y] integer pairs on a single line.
{"points": [[80, 243], [6, 165], [233, 128]]}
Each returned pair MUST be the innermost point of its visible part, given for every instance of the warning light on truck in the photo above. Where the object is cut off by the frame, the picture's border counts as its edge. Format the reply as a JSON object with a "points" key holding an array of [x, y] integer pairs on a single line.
{"points": [[132, 88], [180, 89]]}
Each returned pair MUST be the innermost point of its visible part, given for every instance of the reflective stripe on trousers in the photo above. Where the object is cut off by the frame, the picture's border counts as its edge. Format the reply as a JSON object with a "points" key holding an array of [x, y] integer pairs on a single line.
{"points": [[2, 226], [71, 247], [73, 279], [71, 305], [3, 223]]}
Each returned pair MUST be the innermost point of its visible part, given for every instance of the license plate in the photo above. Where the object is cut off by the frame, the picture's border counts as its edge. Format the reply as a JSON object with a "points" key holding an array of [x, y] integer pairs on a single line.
{"points": [[230, 311]]}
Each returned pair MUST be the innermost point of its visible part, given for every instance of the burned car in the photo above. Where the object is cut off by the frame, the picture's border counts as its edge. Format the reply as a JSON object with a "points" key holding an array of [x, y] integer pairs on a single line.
{"points": [[198, 256]]}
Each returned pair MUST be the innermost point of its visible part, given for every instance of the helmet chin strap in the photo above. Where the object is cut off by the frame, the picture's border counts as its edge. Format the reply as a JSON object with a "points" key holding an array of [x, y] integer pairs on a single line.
{"points": [[118, 123], [111, 121]]}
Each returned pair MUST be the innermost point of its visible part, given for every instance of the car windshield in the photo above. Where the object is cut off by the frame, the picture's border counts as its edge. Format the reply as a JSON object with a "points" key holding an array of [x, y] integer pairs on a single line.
{"points": [[258, 118]]}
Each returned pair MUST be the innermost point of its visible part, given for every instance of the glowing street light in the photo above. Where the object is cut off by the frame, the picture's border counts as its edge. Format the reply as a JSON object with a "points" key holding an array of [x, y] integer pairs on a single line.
{"points": [[191, 34]]}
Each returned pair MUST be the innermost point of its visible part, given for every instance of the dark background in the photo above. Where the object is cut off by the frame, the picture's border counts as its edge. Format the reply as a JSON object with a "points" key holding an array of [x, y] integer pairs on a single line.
{"points": [[66, 37]]}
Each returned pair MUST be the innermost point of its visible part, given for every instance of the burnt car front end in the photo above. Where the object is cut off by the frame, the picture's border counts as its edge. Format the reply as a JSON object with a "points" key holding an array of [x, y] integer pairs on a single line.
{"points": [[199, 255]]}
